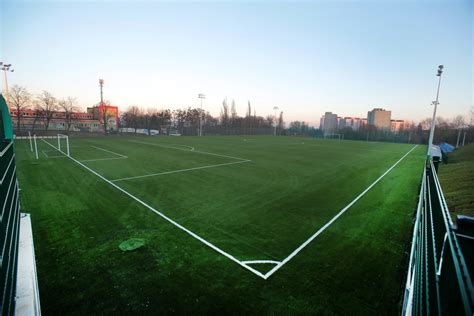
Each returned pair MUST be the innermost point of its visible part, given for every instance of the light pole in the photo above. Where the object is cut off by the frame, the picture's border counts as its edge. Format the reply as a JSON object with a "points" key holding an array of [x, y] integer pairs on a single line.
{"points": [[200, 96], [6, 68], [103, 108], [435, 103], [275, 109], [101, 84]]}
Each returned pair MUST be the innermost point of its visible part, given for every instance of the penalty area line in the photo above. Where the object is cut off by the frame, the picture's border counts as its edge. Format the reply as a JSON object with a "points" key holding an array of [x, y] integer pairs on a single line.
{"points": [[260, 262], [322, 229], [215, 248], [108, 151], [101, 159], [180, 170], [192, 150]]}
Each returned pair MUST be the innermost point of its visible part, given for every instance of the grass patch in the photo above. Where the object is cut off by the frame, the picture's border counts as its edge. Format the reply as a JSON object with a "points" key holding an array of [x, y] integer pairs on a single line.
{"points": [[131, 244], [457, 181]]}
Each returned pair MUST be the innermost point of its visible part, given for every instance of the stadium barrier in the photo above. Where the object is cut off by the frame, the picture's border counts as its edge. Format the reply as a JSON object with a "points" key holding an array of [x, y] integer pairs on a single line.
{"points": [[9, 227], [438, 280]]}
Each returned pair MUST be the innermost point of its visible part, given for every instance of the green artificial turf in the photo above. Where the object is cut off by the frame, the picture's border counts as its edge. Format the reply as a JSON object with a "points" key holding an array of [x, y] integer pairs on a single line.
{"points": [[261, 209], [457, 181]]}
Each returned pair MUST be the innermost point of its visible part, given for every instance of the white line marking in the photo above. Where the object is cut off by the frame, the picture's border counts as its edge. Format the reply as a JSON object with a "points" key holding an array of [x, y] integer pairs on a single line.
{"points": [[260, 261], [180, 170], [222, 252], [297, 250], [244, 264], [108, 151], [194, 151], [164, 146], [101, 159]]}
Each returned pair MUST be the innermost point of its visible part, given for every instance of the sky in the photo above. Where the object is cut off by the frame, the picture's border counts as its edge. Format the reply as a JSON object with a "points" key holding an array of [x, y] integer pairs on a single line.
{"points": [[303, 57]]}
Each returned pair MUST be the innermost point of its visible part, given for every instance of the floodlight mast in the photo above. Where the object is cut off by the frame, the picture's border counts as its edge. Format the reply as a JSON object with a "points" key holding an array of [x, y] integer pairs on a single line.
{"points": [[275, 109], [6, 68], [433, 121], [200, 96], [104, 108], [101, 84]]}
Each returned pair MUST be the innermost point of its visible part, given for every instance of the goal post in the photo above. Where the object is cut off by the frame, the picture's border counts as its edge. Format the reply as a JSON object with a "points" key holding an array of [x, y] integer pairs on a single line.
{"points": [[36, 147], [61, 148], [333, 136], [31, 141], [63, 140]]}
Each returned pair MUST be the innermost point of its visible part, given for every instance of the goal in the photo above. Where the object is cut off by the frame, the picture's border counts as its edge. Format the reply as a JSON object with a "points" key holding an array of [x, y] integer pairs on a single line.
{"points": [[63, 140], [62, 144], [334, 136]]}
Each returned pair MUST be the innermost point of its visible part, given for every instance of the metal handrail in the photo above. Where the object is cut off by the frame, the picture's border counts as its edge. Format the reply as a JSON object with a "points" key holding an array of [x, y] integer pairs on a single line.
{"points": [[462, 273], [423, 293]]}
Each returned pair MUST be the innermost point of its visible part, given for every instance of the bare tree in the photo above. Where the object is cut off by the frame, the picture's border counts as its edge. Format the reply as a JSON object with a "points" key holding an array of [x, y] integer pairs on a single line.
{"points": [[148, 117], [233, 112], [133, 117], [459, 121], [70, 108], [36, 117], [280, 122], [225, 114], [471, 120], [47, 105], [20, 99]]}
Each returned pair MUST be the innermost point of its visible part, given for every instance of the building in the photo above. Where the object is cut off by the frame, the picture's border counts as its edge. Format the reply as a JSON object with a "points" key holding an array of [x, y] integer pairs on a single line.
{"points": [[329, 123], [379, 118], [351, 122], [397, 125], [91, 121], [108, 111]]}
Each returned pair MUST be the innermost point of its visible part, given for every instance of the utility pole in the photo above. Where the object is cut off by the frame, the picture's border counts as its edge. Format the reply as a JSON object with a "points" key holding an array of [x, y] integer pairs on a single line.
{"points": [[275, 109], [6, 68], [435, 103], [200, 96]]}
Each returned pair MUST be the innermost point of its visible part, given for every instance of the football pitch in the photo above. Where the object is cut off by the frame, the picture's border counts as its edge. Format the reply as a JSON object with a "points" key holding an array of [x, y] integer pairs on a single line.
{"points": [[236, 224]]}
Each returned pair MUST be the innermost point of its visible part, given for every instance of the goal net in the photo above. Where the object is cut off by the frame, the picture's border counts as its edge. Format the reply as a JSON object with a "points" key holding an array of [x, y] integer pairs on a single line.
{"points": [[48, 146], [333, 136], [63, 144]]}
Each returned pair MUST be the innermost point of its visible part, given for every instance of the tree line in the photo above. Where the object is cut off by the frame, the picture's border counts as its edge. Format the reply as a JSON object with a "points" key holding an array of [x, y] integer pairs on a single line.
{"points": [[188, 121], [44, 105]]}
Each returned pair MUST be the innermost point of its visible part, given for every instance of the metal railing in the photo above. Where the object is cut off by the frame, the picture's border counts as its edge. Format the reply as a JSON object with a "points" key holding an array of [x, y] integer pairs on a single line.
{"points": [[438, 280], [9, 227]]}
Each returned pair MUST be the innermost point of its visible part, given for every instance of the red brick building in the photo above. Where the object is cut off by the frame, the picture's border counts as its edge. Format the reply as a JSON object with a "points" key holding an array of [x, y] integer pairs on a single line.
{"points": [[91, 121]]}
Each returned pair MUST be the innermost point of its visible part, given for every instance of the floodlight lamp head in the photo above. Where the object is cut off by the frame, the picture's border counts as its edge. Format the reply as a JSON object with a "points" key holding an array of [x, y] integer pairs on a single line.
{"points": [[101, 81], [440, 70]]}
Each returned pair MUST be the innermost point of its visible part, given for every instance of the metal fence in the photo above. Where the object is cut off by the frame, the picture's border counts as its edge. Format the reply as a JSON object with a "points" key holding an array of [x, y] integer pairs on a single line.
{"points": [[438, 280], [9, 227]]}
